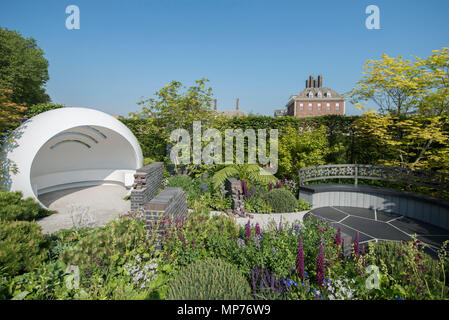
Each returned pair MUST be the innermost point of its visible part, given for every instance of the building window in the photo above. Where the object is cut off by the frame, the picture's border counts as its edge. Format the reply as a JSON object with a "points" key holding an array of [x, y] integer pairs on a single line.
{"points": [[319, 106], [310, 106], [328, 105], [328, 95], [301, 106], [319, 94], [337, 106], [310, 94]]}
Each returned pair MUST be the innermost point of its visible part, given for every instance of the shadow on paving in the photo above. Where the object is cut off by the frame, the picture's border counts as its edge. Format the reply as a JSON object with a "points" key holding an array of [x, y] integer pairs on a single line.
{"points": [[373, 225]]}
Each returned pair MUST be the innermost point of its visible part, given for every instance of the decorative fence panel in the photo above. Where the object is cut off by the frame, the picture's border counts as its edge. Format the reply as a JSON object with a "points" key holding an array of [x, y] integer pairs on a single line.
{"points": [[431, 179]]}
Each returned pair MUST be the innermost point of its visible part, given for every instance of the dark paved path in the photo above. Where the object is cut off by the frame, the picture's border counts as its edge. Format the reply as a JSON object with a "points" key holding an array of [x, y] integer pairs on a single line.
{"points": [[373, 225]]}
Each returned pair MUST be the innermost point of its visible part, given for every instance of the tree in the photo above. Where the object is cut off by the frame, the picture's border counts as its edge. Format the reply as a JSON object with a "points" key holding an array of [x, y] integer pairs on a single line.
{"points": [[436, 76], [401, 86], [414, 142], [302, 148], [34, 110], [176, 109], [10, 113], [23, 68]]}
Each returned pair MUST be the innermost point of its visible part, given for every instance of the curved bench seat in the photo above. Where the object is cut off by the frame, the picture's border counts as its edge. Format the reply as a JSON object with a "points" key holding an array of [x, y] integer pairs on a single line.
{"points": [[420, 207], [81, 178]]}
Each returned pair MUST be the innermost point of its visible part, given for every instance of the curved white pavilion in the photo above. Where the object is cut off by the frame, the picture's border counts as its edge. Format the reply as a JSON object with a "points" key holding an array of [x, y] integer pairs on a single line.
{"points": [[71, 147]]}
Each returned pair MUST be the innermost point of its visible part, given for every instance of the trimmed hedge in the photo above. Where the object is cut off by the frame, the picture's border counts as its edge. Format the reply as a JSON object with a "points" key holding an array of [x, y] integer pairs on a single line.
{"points": [[281, 200], [211, 279]]}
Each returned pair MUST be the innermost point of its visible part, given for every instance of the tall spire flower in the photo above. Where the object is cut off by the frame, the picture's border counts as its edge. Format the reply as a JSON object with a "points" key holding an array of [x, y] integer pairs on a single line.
{"points": [[300, 260], [320, 268], [257, 229], [337, 239], [248, 230], [356, 246]]}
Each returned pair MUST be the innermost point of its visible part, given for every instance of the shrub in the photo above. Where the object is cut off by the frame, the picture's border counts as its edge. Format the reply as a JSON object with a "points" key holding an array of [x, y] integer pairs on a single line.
{"points": [[257, 205], [303, 205], [102, 247], [13, 207], [209, 280], [22, 247], [281, 200]]}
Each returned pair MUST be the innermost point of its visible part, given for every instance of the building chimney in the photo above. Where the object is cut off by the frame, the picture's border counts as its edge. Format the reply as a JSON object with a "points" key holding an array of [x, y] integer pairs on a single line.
{"points": [[215, 104], [311, 81], [307, 83], [320, 81], [237, 104], [315, 83]]}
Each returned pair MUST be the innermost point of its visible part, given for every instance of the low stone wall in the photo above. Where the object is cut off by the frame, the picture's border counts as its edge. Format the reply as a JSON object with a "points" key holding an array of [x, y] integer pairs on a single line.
{"points": [[170, 203], [416, 206], [147, 181]]}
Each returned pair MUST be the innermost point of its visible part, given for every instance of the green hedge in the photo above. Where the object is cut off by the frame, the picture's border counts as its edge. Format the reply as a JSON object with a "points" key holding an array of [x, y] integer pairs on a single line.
{"points": [[209, 280]]}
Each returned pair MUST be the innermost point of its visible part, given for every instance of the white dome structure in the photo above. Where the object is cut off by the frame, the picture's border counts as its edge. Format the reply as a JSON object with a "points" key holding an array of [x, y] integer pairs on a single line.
{"points": [[70, 147]]}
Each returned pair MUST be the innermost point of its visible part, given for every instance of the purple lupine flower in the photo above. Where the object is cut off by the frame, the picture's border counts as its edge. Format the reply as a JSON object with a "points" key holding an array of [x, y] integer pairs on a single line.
{"points": [[257, 229], [253, 191], [270, 186], [363, 257], [320, 269], [300, 260], [280, 224], [248, 230], [337, 239], [245, 188], [356, 246]]}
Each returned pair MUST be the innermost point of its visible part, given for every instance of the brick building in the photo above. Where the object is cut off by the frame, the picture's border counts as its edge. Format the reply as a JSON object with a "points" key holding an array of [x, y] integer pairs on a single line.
{"points": [[314, 100]]}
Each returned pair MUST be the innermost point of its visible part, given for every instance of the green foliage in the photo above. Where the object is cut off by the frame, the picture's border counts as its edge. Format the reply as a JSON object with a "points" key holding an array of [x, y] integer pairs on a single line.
{"points": [[416, 142], [23, 247], [407, 271], [23, 68], [281, 200], [298, 149], [249, 172], [10, 113], [257, 205], [42, 107], [13, 207], [105, 246], [399, 86], [209, 280], [196, 238], [201, 191], [48, 282], [303, 205]]}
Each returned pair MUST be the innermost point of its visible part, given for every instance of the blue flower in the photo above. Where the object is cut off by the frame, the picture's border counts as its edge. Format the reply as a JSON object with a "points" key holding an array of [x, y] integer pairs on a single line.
{"points": [[314, 290]]}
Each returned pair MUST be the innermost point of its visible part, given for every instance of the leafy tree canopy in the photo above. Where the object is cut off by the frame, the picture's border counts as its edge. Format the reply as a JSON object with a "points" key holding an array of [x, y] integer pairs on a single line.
{"points": [[23, 68], [401, 86]]}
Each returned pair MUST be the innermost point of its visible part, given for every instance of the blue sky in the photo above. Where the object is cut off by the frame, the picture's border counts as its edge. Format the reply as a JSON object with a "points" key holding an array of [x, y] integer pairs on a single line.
{"points": [[258, 51]]}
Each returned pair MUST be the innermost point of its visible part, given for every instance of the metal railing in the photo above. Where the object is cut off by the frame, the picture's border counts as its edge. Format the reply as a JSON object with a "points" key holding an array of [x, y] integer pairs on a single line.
{"points": [[431, 179]]}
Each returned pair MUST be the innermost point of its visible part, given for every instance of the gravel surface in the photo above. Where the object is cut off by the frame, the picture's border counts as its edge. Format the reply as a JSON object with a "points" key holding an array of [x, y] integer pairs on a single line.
{"points": [[89, 206]]}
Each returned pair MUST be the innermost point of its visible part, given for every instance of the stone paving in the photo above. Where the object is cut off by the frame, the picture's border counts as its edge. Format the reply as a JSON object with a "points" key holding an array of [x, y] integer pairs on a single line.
{"points": [[373, 225]]}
